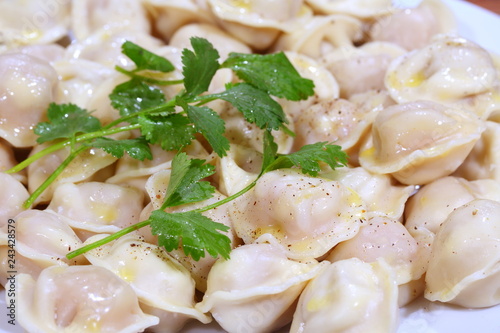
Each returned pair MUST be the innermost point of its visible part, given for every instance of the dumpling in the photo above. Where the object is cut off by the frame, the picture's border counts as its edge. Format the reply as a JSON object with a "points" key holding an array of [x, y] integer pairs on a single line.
{"points": [[79, 299], [95, 207], [413, 28], [348, 296], [42, 240], [367, 63], [35, 22], [418, 142], [429, 208], [28, 87], [483, 162], [308, 216], [385, 238], [336, 120], [163, 286], [255, 290], [447, 70], [464, 267], [258, 23]]}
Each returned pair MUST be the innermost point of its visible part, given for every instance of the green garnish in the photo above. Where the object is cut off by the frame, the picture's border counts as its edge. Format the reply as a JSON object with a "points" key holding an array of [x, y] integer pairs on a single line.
{"points": [[174, 123]]}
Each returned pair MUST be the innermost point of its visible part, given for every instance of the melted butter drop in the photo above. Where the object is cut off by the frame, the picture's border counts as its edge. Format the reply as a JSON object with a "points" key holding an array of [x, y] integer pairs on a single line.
{"points": [[126, 274], [104, 212], [416, 80], [92, 325], [317, 304]]}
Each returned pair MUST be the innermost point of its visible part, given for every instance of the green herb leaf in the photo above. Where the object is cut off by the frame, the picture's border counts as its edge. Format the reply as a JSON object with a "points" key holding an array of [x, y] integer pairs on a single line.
{"points": [[185, 185], [137, 148], [194, 231], [273, 73], [65, 121], [256, 105], [199, 66], [134, 96], [308, 156], [208, 123], [172, 132], [146, 60]]}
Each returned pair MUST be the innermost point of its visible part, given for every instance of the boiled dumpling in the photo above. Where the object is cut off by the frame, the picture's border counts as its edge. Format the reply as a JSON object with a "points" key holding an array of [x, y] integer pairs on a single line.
{"points": [[164, 287], [447, 70], [255, 290], [27, 88], [413, 28], [464, 267], [348, 296], [95, 207], [79, 299], [307, 215], [418, 142]]}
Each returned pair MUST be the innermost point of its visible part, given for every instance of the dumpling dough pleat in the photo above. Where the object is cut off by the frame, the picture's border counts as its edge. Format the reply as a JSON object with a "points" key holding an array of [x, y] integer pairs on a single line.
{"points": [[79, 299]]}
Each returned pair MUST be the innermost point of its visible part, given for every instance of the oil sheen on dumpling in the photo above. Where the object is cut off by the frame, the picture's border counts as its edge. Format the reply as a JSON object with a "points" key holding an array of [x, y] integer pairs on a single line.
{"points": [[87, 299], [464, 268], [307, 215], [348, 296], [418, 142], [255, 290], [164, 287]]}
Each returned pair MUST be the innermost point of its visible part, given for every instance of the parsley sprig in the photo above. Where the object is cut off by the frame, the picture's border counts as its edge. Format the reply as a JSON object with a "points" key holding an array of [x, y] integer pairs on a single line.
{"points": [[174, 123]]}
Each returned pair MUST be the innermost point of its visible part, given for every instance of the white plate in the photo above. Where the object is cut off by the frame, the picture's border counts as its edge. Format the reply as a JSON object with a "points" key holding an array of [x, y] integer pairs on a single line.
{"points": [[476, 24]]}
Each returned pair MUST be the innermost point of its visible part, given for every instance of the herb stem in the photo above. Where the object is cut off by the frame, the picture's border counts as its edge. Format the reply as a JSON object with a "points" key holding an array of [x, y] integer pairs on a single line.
{"points": [[107, 239], [228, 199], [52, 177]]}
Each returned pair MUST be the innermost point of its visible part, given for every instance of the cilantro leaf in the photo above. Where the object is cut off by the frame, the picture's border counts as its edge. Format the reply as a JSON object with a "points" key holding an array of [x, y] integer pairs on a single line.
{"points": [[273, 73], [146, 60], [137, 148], [134, 96], [308, 156], [65, 121], [199, 66], [270, 150], [172, 131], [194, 231], [185, 185], [208, 123], [256, 105]]}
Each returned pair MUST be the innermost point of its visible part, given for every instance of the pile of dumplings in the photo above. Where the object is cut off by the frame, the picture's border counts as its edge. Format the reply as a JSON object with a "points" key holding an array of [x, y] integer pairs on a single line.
{"points": [[415, 213]]}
